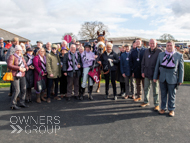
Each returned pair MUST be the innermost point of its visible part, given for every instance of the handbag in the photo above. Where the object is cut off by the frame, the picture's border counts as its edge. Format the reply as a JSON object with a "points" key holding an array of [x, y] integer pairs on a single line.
{"points": [[41, 84], [9, 75]]}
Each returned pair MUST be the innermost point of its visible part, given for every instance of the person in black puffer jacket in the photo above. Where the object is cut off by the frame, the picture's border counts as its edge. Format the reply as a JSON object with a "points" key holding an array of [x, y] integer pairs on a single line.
{"points": [[109, 61]]}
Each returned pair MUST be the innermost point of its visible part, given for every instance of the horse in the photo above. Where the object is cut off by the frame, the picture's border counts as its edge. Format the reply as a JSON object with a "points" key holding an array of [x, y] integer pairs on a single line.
{"points": [[101, 48]]}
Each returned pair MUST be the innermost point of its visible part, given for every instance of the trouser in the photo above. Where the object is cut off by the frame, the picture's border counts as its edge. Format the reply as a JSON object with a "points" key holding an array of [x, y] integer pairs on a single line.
{"points": [[18, 86], [127, 85], [155, 88], [11, 88], [132, 83], [70, 82], [122, 87], [107, 77], [50, 83], [63, 83], [170, 90], [86, 77], [139, 86]]}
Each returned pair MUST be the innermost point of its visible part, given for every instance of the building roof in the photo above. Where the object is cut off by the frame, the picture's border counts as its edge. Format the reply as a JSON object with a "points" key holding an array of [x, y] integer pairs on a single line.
{"points": [[126, 38], [9, 36]]}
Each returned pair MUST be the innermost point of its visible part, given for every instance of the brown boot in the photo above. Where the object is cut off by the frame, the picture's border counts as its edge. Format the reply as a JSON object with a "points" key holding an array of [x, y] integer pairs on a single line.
{"points": [[38, 100], [145, 104], [156, 108], [171, 113], [161, 111], [42, 97]]}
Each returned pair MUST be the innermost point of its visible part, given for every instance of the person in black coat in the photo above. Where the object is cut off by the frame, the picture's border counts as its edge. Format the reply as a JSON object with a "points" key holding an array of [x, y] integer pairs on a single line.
{"points": [[109, 61], [119, 76], [135, 64], [29, 74], [63, 78]]}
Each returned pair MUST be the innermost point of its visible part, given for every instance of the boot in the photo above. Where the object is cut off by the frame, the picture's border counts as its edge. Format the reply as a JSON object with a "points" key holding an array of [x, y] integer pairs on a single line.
{"points": [[90, 93], [82, 94], [42, 97], [38, 100]]}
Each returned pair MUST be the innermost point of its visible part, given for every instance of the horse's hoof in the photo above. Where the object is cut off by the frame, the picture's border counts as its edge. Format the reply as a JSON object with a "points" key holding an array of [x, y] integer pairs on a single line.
{"points": [[97, 90]]}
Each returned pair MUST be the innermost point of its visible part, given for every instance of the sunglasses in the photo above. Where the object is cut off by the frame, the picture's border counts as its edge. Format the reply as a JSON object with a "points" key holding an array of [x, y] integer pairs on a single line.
{"points": [[53, 48]]}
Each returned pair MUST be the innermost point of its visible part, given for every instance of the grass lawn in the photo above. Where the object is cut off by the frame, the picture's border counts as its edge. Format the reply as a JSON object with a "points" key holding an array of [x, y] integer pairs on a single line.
{"points": [[6, 84]]}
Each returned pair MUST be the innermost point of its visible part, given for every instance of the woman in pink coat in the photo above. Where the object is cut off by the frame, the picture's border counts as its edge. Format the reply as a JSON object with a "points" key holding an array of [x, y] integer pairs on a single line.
{"points": [[39, 62]]}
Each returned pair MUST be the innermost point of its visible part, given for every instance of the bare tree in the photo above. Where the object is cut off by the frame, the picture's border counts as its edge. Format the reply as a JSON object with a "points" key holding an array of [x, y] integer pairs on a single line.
{"points": [[166, 37], [72, 35], [89, 30]]}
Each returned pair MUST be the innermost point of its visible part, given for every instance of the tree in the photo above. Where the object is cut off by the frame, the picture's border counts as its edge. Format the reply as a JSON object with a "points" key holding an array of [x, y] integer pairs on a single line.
{"points": [[166, 37], [89, 30], [72, 35]]}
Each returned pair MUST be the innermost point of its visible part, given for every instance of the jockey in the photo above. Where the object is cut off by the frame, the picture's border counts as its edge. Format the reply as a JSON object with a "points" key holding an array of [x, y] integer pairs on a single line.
{"points": [[88, 58]]}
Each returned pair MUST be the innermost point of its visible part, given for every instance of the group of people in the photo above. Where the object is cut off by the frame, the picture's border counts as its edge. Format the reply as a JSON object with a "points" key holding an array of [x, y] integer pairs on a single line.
{"points": [[71, 67]]}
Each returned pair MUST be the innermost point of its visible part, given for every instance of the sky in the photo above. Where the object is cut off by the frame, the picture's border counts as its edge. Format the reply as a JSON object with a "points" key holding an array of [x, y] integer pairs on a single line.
{"points": [[48, 20]]}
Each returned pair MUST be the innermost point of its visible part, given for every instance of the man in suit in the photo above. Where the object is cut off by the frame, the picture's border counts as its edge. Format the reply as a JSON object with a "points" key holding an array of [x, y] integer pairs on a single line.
{"points": [[170, 69], [135, 64]]}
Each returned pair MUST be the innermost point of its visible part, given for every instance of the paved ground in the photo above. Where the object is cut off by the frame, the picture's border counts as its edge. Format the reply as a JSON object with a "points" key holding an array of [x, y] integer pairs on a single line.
{"points": [[98, 121]]}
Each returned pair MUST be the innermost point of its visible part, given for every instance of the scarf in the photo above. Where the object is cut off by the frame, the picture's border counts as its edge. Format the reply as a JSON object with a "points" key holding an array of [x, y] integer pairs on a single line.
{"points": [[43, 63], [30, 59], [168, 60], [70, 61], [20, 64]]}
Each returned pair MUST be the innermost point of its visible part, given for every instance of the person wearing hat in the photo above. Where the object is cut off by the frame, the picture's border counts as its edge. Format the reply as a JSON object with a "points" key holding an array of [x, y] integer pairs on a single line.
{"points": [[63, 78], [16, 63], [29, 74], [8, 45], [39, 46], [88, 58], [53, 67]]}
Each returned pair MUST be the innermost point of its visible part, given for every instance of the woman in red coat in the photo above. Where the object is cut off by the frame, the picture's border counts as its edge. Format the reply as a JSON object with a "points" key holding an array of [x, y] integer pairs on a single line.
{"points": [[17, 65], [39, 63]]}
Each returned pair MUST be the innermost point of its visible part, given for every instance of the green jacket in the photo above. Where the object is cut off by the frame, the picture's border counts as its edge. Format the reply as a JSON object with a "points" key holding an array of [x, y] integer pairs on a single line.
{"points": [[53, 65]]}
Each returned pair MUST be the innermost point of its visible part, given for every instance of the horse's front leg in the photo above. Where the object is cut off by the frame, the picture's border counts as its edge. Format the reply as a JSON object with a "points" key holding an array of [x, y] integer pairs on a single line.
{"points": [[98, 88]]}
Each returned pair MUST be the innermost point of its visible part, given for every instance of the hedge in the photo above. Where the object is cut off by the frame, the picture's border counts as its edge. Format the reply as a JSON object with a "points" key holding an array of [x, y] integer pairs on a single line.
{"points": [[187, 71]]}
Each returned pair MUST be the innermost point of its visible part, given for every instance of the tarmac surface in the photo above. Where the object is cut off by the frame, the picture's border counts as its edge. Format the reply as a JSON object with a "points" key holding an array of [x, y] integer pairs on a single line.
{"points": [[97, 121]]}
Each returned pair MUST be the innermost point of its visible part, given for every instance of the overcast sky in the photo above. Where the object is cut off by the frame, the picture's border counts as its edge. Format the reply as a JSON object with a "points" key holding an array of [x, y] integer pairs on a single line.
{"points": [[48, 20]]}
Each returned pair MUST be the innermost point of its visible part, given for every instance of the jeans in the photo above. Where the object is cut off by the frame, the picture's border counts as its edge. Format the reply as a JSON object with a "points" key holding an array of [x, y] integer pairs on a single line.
{"points": [[168, 90], [107, 77], [50, 83], [18, 86], [155, 88]]}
